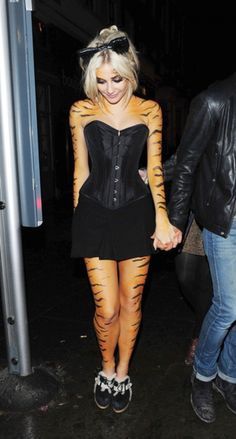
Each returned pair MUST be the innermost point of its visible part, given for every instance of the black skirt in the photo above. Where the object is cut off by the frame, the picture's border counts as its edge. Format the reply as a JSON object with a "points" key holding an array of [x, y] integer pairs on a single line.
{"points": [[117, 234]]}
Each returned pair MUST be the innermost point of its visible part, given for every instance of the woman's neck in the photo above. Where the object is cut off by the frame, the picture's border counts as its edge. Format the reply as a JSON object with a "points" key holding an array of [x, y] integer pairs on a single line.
{"points": [[117, 108]]}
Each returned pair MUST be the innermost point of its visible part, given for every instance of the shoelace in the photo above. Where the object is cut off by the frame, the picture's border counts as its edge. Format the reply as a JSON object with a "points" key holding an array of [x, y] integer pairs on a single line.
{"points": [[121, 388], [104, 385]]}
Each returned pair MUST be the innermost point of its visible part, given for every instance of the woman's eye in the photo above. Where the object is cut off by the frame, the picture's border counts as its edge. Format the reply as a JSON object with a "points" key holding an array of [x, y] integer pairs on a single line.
{"points": [[100, 81], [118, 79]]}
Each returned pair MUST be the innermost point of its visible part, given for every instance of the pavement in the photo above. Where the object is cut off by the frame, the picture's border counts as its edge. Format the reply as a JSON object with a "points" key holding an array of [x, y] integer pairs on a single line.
{"points": [[62, 340]]}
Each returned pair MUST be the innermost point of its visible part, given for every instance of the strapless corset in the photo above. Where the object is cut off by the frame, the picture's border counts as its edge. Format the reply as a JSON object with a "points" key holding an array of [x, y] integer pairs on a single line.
{"points": [[114, 180]]}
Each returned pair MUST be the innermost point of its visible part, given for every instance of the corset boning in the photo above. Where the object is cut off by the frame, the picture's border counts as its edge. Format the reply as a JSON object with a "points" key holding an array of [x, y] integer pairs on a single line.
{"points": [[114, 180]]}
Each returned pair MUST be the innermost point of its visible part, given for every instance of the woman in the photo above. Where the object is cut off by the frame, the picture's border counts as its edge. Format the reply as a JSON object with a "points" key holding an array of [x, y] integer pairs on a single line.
{"points": [[117, 222]]}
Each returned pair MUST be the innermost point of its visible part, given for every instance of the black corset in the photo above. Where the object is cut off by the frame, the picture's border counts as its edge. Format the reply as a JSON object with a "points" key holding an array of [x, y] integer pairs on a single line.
{"points": [[114, 180]]}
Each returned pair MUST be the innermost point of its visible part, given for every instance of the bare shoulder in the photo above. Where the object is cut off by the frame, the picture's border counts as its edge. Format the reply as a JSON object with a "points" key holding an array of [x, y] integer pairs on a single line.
{"points": [[83, 110], [151, 106], [148, 108]]}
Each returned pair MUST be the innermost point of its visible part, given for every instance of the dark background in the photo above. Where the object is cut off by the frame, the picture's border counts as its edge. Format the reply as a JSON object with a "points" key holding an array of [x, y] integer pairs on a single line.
{"points": [[209, 42], [201, 39]]}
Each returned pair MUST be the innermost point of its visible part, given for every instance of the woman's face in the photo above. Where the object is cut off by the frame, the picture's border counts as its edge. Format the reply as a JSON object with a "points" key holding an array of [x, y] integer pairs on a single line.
{"points": [[111, 85]]}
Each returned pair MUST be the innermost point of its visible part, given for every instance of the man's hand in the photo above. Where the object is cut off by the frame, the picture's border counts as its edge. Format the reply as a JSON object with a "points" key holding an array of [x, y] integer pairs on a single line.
{"points": [[178, 236]]}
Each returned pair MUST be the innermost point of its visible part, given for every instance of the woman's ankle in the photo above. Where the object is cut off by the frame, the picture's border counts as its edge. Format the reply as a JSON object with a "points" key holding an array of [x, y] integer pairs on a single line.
{"points": [[121, 373], [109, 371]]}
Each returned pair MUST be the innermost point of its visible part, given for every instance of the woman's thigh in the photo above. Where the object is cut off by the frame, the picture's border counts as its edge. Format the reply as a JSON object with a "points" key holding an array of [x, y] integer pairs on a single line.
{"points": [[132, 276], [103, 278]]}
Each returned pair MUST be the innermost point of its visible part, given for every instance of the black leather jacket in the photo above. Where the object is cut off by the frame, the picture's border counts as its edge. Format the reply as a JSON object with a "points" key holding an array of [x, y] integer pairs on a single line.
{"points": [[205, 173]]}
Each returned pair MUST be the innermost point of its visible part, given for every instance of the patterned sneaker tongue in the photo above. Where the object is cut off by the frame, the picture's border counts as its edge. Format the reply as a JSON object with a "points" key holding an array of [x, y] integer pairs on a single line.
{"points": [[105, 383], [122, 386]]}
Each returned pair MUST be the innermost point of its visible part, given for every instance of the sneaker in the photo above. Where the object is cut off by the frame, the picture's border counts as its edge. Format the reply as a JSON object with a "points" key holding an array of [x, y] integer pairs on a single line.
{"points": [[103, 390], [228, 391], [202, 400], [122, 394], [191, 352]]}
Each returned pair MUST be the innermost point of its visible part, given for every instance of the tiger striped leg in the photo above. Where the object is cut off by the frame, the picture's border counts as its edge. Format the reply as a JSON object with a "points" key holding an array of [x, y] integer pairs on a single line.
{"points": [[132, 274], [103, 277]]}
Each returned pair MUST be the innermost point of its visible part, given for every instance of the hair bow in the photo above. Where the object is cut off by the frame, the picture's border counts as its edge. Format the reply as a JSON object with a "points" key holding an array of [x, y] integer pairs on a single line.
{"points": [[119, 45]]}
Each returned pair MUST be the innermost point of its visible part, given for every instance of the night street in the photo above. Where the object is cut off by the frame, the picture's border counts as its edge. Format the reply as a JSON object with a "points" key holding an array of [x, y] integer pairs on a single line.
{"points": [[46, 158], [60, 311]]}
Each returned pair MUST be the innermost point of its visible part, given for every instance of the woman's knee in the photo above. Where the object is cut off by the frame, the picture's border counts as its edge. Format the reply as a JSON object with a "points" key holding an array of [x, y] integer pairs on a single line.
{"points": [[131, 303], [108, 315]]}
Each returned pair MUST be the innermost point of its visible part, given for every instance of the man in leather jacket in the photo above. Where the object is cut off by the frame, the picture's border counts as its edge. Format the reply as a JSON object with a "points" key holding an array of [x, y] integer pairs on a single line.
{"points": [[205, 182]]}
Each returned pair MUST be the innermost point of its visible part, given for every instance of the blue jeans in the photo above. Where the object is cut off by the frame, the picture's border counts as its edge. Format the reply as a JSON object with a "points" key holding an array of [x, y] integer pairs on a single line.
{"points": [[216, 349]]}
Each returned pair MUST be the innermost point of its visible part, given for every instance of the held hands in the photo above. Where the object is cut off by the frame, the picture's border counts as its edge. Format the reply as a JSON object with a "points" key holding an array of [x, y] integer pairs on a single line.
{"points": [[166, 236]]}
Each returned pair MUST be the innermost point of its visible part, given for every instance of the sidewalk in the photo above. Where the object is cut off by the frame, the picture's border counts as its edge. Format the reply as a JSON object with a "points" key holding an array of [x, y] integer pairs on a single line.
{"points": [[60, 310]]}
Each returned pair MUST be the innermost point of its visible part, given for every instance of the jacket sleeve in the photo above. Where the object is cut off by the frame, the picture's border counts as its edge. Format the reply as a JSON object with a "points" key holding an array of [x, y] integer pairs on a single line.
{"points": [[168, 168], [197, 132]]}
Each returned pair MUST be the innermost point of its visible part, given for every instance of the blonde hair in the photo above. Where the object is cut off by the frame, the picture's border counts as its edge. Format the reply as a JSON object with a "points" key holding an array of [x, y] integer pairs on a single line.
{"points": [[125, 64]]}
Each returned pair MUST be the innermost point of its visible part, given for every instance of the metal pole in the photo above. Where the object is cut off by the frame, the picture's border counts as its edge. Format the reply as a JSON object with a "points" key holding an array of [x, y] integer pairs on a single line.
{"points": [[11, 268]]}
